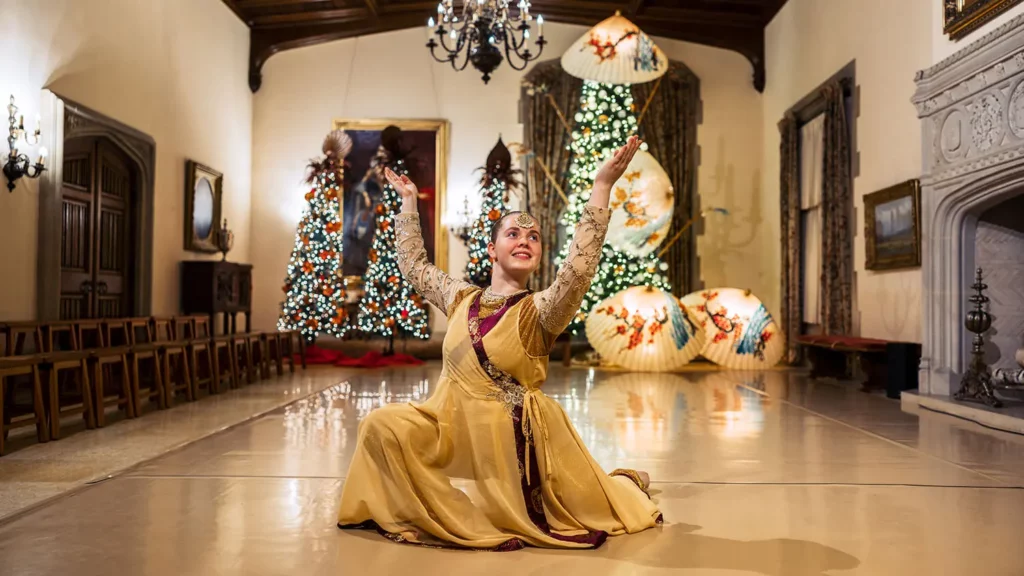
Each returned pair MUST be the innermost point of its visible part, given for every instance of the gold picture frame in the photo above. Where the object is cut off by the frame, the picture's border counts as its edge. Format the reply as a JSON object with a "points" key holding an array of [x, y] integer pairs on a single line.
{"points": [[204, 189], [362, 133], [961, 17], [892, 227]]}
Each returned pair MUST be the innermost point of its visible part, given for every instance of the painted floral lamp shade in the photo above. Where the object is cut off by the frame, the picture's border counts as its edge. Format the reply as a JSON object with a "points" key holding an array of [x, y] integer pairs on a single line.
{"points": [[645, 329], [642, 206], [741, 334], [615, 51]]}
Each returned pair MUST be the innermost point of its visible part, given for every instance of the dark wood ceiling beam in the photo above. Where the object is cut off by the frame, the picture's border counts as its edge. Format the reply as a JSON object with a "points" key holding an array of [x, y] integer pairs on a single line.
{"points": [[248, 4], [371, 5], [265, 42], [234, 8], [317, 17], [702, 22]]}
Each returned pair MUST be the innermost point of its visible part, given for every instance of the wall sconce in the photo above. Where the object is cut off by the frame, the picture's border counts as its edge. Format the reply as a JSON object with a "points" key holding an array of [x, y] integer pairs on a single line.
{"points": [[17, 165]]}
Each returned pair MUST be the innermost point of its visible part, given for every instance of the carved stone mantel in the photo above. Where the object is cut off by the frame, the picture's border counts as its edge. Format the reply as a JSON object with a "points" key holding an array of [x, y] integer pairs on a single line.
{"points": [[971, 107]]}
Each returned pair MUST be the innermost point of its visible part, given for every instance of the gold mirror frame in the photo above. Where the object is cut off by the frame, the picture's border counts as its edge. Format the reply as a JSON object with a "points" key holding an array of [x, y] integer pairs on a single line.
{"points": [[440, 128], [961, 17]]}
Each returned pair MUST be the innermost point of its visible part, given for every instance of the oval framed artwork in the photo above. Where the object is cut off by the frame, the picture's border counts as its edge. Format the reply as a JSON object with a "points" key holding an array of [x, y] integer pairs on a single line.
{"points": [[203, 191]]}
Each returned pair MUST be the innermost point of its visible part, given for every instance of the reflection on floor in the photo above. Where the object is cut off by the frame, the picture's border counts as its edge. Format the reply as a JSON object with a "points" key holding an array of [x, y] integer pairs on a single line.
{"points": [[756, 473]]}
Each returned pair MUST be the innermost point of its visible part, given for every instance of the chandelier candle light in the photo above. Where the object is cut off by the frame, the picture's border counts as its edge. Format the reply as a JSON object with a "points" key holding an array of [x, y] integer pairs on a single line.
{"points": [[483, 28]]}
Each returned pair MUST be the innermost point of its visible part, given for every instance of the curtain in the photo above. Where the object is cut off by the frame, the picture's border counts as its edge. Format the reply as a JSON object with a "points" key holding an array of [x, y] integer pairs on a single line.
{"points": [[811, 168], [669, 126], [836, 201], [789, 194], [544, 134]]}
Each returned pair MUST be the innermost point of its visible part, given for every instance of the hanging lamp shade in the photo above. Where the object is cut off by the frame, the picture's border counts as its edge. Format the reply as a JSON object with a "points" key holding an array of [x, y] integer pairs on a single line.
{"points": [[741, 334], [641, 204], [615, 52], [644, 329]]}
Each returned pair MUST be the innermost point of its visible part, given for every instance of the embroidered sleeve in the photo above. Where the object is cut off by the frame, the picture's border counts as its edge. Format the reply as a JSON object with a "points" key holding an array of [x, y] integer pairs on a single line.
{"points": [[435, 286], [557, 305]]}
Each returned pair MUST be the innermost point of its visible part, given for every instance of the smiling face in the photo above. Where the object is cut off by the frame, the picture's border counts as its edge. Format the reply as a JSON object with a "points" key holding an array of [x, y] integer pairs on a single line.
{"points": [[515, 245]]}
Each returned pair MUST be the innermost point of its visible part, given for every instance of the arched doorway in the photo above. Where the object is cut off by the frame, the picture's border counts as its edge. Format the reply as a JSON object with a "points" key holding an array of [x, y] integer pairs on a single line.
{"points": [[100, 186], [95, 216]]}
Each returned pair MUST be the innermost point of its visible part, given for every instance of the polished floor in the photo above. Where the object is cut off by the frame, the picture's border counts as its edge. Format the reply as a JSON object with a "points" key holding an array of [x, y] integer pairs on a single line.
{"points": [[759, 473]]}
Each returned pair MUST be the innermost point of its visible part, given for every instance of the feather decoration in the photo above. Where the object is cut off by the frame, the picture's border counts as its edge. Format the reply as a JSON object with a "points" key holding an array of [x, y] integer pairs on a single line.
{"points": [[337, 144], [499, 167]]}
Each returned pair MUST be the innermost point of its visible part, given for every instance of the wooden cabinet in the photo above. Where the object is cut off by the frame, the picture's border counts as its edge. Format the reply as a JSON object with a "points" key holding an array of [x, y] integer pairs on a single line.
{"points": [[216, 287]]}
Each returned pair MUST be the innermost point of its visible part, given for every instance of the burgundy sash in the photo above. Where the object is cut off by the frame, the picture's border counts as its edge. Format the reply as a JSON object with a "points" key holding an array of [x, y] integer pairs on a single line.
{"points": [[512, 393]]}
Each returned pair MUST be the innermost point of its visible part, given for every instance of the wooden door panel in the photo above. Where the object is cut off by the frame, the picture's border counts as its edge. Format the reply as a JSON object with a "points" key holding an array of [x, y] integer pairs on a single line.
{"points": [[76, 231], [96, 250], [113, 250]]}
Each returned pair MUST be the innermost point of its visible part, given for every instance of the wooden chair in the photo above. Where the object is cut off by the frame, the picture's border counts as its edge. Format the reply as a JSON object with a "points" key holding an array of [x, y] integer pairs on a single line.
{"points": [[103, 358], [293, 344], [18, 334], [14, 366], [62, 356], [273, 344], [224, 366], [173, 354], [76, 362], [247, 350], [142, 346]]}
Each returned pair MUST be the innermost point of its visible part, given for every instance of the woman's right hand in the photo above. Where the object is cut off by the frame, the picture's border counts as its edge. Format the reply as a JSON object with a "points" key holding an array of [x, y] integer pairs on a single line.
{"points": [[405, 188]]}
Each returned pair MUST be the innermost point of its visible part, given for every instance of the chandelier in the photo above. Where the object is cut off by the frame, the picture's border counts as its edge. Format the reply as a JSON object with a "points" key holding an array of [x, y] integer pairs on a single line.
{"points": [[484, 28]]}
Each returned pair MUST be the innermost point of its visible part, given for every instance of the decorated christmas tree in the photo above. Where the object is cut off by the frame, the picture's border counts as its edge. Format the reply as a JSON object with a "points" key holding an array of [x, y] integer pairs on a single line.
{"points": [[314, 293], [390, 307], [605, 120], [498, 180]]}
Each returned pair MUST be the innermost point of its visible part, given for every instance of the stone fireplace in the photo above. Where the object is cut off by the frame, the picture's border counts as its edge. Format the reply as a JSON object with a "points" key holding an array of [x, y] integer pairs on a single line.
{"points": [[972, 202]]}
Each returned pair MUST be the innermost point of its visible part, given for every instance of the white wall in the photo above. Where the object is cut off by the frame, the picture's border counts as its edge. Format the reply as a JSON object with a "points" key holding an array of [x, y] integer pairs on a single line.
{"points": [[392, 76], [174, 69]]}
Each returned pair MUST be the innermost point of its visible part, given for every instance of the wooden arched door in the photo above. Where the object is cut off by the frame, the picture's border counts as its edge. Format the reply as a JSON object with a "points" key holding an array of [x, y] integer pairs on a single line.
{"points": [[99, 187]]}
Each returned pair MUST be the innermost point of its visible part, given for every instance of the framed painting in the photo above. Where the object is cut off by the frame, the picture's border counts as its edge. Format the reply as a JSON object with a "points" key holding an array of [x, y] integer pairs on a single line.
{"points": [[204, 188], [892, 227], [424, 146], [961, 17]]}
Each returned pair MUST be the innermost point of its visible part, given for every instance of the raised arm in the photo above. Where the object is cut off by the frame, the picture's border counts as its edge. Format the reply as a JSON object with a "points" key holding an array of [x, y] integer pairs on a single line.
{"points": [[557, 305], [435, 286]]}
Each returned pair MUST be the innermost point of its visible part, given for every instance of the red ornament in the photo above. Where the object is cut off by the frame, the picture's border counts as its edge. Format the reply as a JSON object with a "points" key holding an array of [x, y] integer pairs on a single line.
{"points": [[405, 314]]}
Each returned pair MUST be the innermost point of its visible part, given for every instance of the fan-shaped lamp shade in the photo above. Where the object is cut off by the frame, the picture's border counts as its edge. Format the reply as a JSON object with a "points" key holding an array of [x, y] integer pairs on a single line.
{"points": [[615, 52], [644, 329], [741, 334], [641, 206]]}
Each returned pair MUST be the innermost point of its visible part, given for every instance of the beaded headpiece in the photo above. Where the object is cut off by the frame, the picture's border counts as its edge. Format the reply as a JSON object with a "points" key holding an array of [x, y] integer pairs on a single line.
{"points": [[524, 220]]}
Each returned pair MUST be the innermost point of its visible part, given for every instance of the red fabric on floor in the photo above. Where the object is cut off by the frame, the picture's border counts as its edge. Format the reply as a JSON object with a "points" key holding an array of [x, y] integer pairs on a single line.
{"points": [[317, 355]]}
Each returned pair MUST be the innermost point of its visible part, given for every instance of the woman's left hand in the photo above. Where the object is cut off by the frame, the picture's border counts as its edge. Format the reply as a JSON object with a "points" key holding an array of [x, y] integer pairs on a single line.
{"points": [[616, 166]]}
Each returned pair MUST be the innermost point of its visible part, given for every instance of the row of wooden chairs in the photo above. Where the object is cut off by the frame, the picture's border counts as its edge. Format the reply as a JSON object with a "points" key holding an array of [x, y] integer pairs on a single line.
{"points": [[83, 354]]}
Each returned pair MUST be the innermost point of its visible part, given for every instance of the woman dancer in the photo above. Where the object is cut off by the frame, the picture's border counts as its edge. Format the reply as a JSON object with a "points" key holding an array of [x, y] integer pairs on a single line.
{"points": [[489, 461]]}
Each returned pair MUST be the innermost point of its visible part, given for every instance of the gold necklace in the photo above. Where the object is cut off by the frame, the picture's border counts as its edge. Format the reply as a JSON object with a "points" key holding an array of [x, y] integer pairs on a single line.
{"points": [[492, 300]]}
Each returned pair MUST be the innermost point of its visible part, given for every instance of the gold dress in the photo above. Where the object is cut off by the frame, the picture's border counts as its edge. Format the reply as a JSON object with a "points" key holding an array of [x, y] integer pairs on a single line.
{"points": [[489, 461]]}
